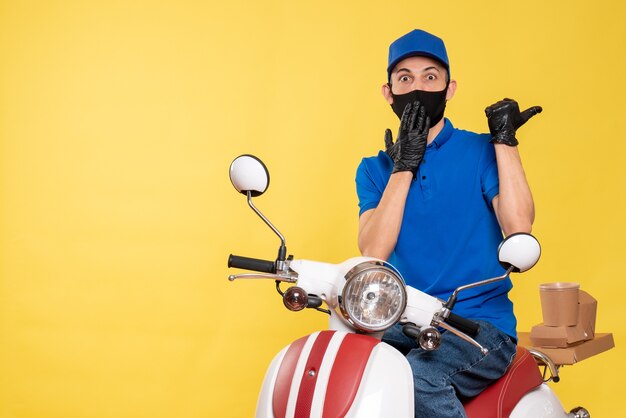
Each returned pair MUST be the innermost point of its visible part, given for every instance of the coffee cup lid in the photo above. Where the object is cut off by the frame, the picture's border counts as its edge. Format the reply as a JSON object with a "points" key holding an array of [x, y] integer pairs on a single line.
{"points": [[559, 286]]}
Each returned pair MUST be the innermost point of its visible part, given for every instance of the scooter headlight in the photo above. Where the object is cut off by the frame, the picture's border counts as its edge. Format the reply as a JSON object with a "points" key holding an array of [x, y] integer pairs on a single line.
{"points": [[373, 297]]}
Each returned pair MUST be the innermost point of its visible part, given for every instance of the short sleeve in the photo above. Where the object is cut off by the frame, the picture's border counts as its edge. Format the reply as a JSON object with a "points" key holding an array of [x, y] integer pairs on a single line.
{"points": [[368, 193], [489, 181]]}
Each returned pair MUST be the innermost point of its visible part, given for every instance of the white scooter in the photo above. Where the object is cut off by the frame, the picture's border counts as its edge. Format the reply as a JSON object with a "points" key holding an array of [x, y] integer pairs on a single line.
{"points": [[346, 371]]}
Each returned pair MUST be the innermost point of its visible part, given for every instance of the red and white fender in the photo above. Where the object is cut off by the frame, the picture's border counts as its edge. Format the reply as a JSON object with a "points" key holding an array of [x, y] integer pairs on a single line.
{"points": [[334, 374]]}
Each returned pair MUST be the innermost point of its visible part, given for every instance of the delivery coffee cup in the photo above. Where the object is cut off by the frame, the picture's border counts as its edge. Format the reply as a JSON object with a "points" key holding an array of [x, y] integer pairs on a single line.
{"points": [[559, 303]]}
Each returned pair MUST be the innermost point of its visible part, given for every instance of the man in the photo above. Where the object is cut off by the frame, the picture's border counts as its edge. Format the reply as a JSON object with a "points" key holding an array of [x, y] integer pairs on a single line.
{"points": [[435, 204]]}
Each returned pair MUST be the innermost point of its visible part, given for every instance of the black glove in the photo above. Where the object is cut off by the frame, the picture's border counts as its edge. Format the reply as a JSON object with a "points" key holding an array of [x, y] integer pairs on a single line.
{"points": [[408, 150], [505, 118]]}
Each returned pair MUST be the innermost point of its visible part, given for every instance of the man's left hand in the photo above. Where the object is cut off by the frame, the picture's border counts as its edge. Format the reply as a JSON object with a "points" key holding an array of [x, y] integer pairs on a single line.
{"points": [[505, 118]]}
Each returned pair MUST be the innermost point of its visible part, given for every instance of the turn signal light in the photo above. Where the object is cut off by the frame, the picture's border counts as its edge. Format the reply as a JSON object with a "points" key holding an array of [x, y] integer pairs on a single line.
{"points": [[295, 298]]}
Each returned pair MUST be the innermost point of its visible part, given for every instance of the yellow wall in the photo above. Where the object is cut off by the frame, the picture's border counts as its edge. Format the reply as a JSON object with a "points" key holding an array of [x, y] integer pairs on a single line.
{"points": [[119, 119]]}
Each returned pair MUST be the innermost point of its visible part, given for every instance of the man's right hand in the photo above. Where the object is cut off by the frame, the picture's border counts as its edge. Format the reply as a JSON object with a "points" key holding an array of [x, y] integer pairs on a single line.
{"points": [[408, 150]]}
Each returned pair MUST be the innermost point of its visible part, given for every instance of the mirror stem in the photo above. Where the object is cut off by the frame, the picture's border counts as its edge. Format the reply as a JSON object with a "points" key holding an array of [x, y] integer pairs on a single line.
{"points": [[282, 252], [452, 300]]}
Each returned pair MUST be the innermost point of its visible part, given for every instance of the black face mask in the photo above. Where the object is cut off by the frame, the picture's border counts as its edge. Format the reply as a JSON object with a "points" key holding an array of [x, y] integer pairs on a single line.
{"points": [[433, 101]]}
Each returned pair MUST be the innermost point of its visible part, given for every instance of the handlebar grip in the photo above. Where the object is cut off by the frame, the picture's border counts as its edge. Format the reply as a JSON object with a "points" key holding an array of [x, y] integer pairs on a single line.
{"points": [[411, 331], [253, 264], [470, 328]]}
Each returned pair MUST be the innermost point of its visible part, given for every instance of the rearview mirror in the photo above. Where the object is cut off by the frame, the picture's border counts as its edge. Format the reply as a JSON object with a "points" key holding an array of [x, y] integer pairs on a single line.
{"points": [[520, 250], [249, 174], [250, 177]]}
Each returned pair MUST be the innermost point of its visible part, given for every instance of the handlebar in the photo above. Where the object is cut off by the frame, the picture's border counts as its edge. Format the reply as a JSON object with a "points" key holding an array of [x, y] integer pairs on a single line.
{"points": [[254, 264], [467, 326]]}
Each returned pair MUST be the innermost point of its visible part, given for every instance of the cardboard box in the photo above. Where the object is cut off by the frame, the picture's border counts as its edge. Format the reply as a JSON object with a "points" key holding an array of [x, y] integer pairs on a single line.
{"points": [[573, 354], [587, 310], [546, 336]]}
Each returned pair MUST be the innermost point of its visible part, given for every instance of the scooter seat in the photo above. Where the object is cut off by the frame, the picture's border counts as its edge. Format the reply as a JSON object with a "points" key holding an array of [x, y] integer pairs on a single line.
{"points": [[499, 399]]}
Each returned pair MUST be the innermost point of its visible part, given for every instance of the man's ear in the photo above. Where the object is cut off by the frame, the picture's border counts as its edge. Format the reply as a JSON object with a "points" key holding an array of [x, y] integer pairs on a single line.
{"points": [[451, 90], [386, 90]]}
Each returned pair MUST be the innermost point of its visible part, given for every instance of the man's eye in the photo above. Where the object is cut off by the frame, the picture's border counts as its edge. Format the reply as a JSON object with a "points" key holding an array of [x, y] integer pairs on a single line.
{"points": [[431, 77], [404, 78]]}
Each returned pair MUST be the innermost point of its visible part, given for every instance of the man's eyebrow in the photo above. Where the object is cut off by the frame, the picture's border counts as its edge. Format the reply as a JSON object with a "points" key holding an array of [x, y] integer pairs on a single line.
{"points": [[432, 67]]}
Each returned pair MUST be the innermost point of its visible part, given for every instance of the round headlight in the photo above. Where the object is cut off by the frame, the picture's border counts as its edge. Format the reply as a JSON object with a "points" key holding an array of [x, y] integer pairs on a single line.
{"points": [[374, 296]]}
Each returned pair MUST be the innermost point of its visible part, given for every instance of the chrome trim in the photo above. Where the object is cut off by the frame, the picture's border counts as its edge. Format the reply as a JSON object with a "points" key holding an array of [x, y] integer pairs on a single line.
{"points": [[579, 412], [461, 335], [290, 278], [547, 361], [355, 271], [480, 283], [258, 212]]}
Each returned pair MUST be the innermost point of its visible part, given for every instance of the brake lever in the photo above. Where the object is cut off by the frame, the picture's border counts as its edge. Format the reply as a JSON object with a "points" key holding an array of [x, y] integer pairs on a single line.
{"points": [[282, 277], [461, 335]]}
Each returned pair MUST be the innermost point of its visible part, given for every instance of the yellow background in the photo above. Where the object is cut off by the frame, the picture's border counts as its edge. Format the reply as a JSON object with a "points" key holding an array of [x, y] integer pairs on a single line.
{"points": [[119, 119]]}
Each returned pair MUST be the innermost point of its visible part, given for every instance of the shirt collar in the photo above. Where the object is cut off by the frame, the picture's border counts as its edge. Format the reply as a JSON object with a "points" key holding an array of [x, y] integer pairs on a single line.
{"points": [[445, 134]]}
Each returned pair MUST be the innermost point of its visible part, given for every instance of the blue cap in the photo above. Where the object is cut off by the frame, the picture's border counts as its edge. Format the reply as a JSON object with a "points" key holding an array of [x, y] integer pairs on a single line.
{"points": [[417, 42]]}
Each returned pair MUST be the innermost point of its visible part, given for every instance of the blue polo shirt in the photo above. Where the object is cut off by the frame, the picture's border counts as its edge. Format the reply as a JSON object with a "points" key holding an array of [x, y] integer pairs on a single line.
{"points": [[449, 235]]}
